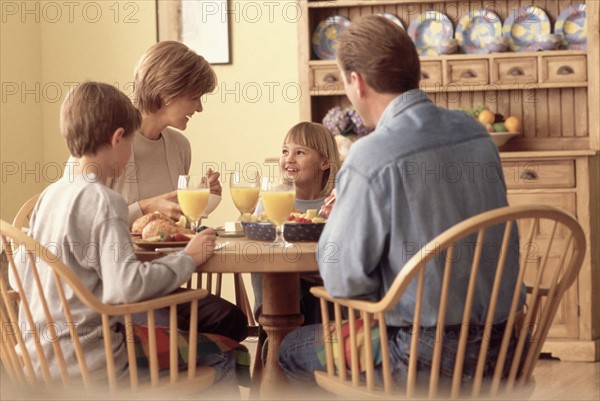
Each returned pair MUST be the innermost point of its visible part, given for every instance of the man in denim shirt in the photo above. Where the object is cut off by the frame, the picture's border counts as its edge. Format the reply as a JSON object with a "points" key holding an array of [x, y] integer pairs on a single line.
{"points": [[423, 170]]}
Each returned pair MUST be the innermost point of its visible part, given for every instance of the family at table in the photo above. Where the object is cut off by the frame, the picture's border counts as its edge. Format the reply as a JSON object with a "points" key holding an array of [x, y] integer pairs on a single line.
{"points": [[383, 198]]}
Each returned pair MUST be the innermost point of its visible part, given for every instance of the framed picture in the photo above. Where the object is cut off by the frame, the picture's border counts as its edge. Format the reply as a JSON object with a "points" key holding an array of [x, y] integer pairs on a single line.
{"points": [[202, 25]]}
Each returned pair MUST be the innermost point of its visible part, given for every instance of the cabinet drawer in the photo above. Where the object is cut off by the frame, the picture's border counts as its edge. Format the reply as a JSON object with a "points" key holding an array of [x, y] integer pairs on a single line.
{"points": [[539, 174], [514, 70], [564, 69], [326, 79], [473, 72], [431, 74]]}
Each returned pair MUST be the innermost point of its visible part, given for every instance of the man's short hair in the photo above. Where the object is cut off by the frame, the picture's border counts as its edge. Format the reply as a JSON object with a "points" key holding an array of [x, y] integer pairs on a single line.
{"points": [[382, 52], [91, 113]]}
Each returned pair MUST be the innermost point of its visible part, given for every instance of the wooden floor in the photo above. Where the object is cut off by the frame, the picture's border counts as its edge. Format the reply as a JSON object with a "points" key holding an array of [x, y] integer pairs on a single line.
{"points": [[554, 380]]}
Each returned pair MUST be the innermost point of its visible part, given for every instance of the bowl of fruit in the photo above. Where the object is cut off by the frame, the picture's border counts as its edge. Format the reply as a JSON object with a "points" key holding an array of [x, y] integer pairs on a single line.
{"points": [[259, 230], [299, 227], [303, 226], [501, 129]]}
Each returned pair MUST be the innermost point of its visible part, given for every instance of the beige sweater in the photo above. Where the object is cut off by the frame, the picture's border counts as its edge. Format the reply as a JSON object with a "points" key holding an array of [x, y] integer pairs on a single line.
{"points": [[178, 157]]}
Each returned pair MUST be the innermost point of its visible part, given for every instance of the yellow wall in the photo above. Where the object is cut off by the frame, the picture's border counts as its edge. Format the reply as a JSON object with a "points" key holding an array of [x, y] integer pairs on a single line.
{"points": [[21, 111], [243, 122], [49, 46]]}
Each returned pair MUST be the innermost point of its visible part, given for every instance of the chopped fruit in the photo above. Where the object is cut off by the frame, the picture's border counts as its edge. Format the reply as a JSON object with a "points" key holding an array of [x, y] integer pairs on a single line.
{"points": [[155, 238], [311, 213], [182, 221], [179, 237]]}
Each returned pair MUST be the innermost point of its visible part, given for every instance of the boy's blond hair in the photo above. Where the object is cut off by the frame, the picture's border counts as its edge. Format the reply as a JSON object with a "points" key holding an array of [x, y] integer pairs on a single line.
{"points": [[170, 69], [316, 136], [389, 64], [91, 113]]}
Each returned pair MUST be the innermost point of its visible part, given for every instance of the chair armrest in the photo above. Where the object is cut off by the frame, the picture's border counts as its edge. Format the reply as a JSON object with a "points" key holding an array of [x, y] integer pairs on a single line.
{"points": [[362, 305], [161, 302]]}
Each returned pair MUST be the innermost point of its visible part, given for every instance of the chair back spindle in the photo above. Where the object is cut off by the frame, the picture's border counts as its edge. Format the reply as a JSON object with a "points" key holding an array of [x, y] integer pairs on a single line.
{"points": [[551, 250]]}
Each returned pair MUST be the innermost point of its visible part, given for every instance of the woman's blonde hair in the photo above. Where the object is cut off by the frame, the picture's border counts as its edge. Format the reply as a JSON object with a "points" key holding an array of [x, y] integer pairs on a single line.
{"points": [[90, 115], [170, 69], [316, 136]]}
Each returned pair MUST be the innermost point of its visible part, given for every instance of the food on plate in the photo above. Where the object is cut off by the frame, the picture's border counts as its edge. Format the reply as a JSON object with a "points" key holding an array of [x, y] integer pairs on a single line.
{"points": [[157, 227], [309, 217], [139, 224]]}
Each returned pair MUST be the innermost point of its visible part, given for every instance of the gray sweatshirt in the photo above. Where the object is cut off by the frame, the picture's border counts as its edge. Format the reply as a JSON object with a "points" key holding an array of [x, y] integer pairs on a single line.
{"points": [[85, 224]]}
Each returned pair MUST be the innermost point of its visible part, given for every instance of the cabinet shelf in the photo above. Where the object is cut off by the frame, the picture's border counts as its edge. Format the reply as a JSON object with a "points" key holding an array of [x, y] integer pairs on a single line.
{"points": [[482, 72], [360, 3], [555, 94]]}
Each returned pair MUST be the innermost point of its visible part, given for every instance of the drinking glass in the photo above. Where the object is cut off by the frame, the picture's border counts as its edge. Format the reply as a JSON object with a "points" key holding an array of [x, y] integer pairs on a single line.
{"points": [[192, 194], [278, 197], [245, 189]]}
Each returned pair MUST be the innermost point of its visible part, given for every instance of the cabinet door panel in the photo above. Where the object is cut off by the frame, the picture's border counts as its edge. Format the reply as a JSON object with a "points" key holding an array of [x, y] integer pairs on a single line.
{"points": [[566, 321]]}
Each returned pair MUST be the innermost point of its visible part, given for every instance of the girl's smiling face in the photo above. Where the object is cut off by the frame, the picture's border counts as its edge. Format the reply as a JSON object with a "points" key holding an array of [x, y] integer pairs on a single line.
{"points": [[303, 164]]}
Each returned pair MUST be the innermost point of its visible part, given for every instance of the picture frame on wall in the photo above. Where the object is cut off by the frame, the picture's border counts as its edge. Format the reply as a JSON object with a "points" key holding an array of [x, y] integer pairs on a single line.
{"points": [[202, 25]]}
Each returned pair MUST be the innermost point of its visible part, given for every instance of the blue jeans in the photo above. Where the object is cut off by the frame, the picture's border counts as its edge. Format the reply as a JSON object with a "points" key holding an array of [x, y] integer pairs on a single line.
{"points": [[302, 352]]}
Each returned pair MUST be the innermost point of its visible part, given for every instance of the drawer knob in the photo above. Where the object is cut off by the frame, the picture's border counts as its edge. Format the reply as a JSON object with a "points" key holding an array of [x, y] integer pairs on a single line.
{"points": [[468, 74], [425, 75], [330, 78], [565, 70], [516, 72], [529, 175]]}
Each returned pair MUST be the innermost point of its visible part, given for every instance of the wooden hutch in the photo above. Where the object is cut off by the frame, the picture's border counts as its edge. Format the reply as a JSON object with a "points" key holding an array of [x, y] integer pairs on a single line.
{"points": [[556, 94]]}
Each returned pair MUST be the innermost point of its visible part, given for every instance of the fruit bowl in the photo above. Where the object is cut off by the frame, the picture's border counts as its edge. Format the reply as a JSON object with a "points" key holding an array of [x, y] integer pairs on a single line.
{"points": [[294, 232], [303, 231], [259, 231], [500, 138]]}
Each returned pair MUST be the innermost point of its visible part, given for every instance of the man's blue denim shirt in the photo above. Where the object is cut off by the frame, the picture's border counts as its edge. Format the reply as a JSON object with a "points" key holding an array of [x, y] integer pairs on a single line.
{"points": [[423, 170]]}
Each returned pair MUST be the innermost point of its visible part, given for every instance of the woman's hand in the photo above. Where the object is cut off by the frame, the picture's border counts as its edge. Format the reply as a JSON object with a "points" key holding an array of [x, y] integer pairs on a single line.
{"points": [[202, 246], [213, 180], [164, 203]]}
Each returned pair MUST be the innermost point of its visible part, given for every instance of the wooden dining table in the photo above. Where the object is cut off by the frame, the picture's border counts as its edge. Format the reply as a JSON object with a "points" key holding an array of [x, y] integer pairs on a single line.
{"points": [[281, 269]]}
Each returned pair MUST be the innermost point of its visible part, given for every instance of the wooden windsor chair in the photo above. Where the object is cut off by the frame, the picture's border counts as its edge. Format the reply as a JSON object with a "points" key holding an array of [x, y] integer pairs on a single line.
{"points": [[212, 282], [552, 248], [32, 363]]}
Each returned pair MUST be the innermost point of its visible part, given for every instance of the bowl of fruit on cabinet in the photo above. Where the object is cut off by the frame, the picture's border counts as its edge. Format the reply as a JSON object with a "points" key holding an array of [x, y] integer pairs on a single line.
{"points": [[501, 129]]}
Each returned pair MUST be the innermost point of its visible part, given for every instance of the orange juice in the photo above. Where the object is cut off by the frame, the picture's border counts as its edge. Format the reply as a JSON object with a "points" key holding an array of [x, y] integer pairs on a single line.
{"points": [[279, 205], [193, 202], [245, 198]]}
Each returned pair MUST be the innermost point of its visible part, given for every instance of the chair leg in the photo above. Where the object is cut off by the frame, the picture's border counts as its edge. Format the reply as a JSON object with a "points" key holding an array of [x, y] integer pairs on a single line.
{"points": [[257, 370], [242, 301]]}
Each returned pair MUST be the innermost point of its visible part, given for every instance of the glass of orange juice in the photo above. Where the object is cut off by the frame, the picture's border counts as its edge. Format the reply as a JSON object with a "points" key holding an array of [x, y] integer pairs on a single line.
{"points": [[192, 194], [245, 189], [279, 198]]}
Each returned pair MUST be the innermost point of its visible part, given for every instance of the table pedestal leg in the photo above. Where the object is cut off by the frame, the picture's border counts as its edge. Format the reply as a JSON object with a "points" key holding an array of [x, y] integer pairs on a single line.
{"points": [[280, 315]]}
